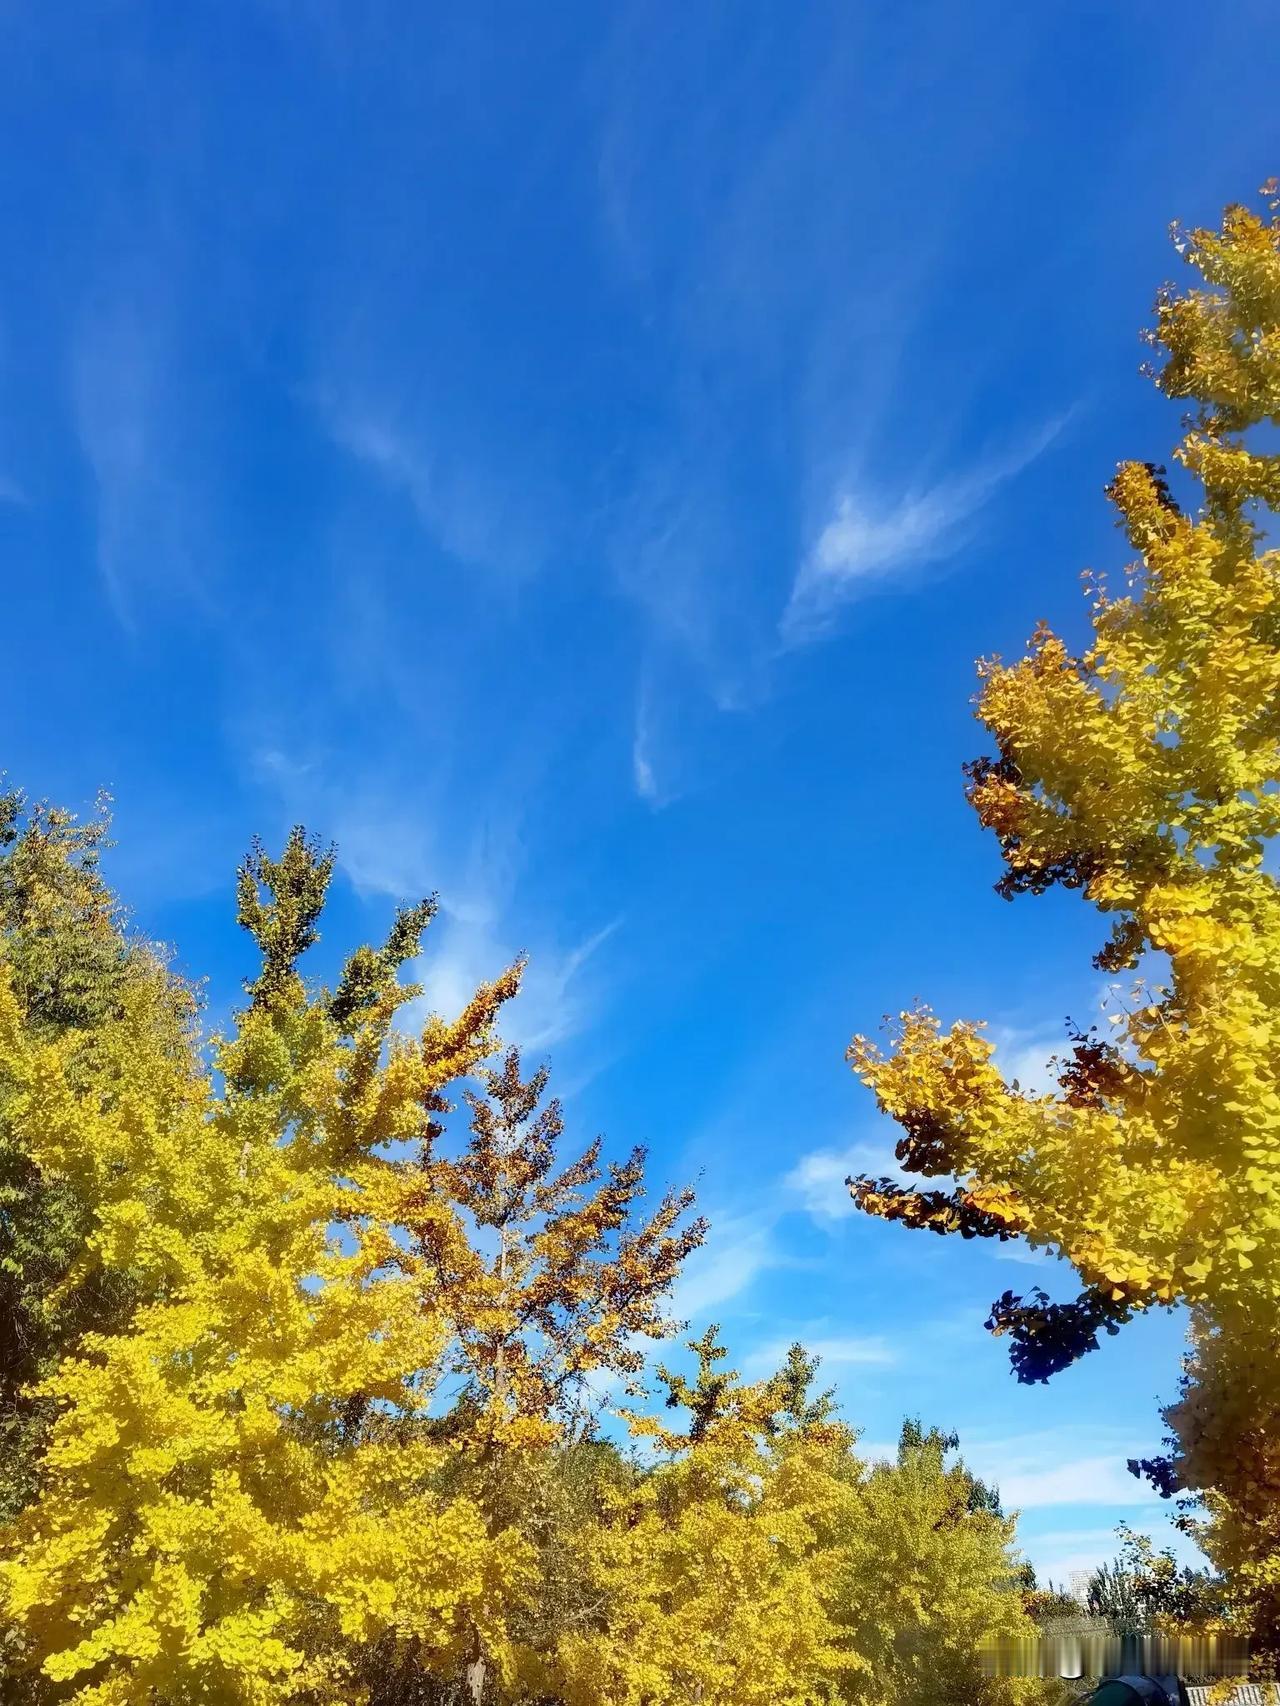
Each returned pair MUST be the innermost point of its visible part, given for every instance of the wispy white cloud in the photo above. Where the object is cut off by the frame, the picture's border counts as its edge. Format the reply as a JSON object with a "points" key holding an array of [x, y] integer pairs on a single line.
{"points": [[126, 420], [471, 941], [699, 247], [1025, 1056], [557, 998], [386, 844], [817, 1181], [112, 378], [390, 851], [1096, 1480], [476, 519], [835, 1351], [670, 539], [680, 723], [868, 538], [1024, 1255], [643, 774], [1070, 1465], [739, 1249], [1065, 1555]]}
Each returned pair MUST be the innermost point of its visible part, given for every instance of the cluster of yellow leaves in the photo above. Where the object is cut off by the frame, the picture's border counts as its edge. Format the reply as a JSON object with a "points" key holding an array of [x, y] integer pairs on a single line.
{"points": [[574, 1280], [763, 1564], [238, 1491], [1147, 773], [717, 1589]]}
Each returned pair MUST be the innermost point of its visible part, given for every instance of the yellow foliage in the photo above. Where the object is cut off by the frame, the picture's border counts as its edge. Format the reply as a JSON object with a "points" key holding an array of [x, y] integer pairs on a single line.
{"points": [[240, 1491], [761, 1564], [573, 1282], [1146, 773]]}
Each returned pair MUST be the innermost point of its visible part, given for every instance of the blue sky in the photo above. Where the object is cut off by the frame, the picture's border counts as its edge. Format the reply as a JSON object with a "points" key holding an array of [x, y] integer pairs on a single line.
{"points": [[572, 457]]}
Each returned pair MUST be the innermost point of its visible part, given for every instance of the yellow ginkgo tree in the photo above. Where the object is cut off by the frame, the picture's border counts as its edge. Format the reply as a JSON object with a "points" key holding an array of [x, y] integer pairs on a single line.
{"points": [[71, 962], [718, 1573], [760, 1561], [237, 1495], [1145, 772]]}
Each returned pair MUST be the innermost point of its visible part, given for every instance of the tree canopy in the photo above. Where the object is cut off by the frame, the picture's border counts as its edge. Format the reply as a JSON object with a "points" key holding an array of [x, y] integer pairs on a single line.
{"points": [[307, 1382], [1144, 771]]}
